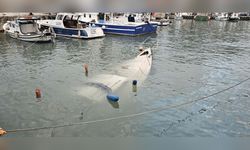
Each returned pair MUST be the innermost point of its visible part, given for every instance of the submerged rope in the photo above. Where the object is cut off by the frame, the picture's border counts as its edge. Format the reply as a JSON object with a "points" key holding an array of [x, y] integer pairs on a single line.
{"points": [[132, 115]]}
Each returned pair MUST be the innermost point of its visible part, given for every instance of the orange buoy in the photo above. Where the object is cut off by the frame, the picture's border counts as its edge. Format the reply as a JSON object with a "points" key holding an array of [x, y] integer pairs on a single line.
{"points": [[38, 93], [2, 132]]}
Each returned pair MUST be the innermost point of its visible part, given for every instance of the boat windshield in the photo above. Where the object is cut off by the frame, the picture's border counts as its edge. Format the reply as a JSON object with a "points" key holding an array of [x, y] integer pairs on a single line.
{"points": [[72, 22], [28, 28]]}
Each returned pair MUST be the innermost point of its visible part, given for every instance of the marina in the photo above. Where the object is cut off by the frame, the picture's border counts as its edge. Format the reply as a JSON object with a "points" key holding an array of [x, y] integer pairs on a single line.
{"points": [[135, 77]]}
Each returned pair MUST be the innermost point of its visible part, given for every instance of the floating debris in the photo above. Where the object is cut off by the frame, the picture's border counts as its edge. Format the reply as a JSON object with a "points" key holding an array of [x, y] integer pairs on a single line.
{"points": [[38, 93]]}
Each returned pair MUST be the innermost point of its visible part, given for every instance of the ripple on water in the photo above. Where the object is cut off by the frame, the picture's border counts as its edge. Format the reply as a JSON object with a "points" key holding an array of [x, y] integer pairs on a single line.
{"points": [[191, 60]]}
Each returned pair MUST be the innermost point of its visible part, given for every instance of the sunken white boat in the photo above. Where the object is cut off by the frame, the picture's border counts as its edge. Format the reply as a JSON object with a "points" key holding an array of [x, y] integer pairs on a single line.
{"points": [[26, 29], [137, 69]]}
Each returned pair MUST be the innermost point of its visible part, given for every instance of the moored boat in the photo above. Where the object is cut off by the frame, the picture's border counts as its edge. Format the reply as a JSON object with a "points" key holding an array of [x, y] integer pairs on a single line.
{"points": [[178, 16], [222, 17], [121, 25], [162, 22], [68, 25], [234, 17], [26, 29], [244, 16], [188, 16], [202, 17]]}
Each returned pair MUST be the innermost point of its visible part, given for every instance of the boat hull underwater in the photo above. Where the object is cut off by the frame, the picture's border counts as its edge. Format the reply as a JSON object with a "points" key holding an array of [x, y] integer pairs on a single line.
{"points": [[103, 86]]}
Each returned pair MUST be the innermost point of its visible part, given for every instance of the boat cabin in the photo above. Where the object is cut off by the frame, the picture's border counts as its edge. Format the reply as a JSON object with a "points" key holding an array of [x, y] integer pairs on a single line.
{"points": [[28, 26], [23, 25], [113, 17], [70, 20]]}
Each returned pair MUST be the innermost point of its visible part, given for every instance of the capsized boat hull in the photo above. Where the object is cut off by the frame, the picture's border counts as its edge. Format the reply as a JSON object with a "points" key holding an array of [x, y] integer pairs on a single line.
{"points": [[138, 69]]}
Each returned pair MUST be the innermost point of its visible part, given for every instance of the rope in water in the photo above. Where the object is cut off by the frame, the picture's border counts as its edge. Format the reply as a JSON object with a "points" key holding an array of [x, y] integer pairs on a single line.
{"points": [[133, 115]]}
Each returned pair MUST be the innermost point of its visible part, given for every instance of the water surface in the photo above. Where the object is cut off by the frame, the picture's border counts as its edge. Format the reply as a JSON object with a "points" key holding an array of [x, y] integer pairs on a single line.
{"points": [[190, 60]]}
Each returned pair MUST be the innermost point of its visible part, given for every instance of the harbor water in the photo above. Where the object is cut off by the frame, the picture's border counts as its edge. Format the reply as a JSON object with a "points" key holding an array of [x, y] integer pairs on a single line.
{"points": [[190, 60]]}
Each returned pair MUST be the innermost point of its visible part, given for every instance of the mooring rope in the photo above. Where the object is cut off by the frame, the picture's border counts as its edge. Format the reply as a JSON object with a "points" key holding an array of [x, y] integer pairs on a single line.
{"points": [[148, 38], [132, 115]]}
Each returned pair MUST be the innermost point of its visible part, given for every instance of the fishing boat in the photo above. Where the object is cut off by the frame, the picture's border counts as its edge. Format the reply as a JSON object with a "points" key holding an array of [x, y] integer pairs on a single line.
{"points": [[26, 29], [244, 16], [68, 25], [162, 22], [178, 16], [121, 24], [202, 17], [188, 16], [234, 17], [222, 17], [100, 86]]}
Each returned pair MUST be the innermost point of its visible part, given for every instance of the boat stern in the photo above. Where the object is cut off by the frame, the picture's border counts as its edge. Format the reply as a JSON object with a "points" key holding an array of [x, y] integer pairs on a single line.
{"points": [[146, 28], [93, 32]]}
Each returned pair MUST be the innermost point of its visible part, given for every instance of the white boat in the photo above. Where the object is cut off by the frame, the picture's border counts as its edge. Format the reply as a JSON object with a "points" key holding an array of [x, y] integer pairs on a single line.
{"points": [[26, 29], [234, 17], [178, 16], [136, 69], [68, 25], [162, 22], [222, 17]]}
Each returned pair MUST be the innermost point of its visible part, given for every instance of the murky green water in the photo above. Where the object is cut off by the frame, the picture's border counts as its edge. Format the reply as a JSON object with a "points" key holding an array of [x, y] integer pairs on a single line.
{"points": [[190, 60]]}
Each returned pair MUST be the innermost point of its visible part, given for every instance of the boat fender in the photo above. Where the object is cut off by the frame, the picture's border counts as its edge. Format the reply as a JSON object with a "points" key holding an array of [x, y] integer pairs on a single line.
{"points": [[134, 86], [2, 132], [103, 27], [112, 97]]}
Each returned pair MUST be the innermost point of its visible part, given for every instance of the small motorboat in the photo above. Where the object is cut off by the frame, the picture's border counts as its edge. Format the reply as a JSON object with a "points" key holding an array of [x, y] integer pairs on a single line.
{"points": [[222, 17], [178, 16], [234, 17], [162, 22], [26, 29], [68, 25]]}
